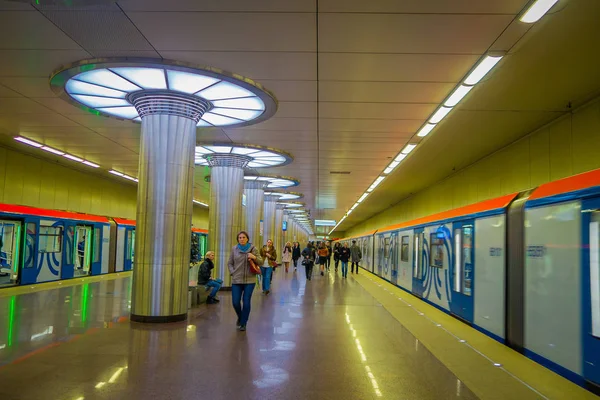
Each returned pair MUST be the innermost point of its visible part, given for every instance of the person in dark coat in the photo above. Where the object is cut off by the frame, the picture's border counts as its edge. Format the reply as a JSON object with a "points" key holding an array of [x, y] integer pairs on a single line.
{"points": [[204, 277], [344, 257], [336, 255], [308, 261], [296, 254]]}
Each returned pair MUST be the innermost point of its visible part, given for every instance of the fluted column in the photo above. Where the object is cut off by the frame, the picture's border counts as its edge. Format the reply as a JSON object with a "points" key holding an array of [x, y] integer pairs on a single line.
{"points": [[269, 218], [278, 233], [255, 194], [225, 212]]}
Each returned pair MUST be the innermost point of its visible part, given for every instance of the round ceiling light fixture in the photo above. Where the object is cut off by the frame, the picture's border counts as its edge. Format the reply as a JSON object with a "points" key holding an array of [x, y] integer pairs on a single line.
{"points": [[284, 195], [274, 181], [257, 156], [127, 87], [289, 205]]}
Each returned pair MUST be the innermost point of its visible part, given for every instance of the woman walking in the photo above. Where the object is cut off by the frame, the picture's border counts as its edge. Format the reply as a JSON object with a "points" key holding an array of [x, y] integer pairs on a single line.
{"points": [[242, 280], [308, 261], [286, 256], [344, 257], [323, 256], [269, 255], [296, 254]]}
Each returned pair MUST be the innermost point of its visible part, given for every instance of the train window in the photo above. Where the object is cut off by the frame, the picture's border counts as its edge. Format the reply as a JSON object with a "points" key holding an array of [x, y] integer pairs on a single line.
{"points": [[404, 250], [97, 241], [50, 239], [386, 248], [436, 249], [467, 262], [29, 245], [595, 272], [417, 260], [457, 278]]}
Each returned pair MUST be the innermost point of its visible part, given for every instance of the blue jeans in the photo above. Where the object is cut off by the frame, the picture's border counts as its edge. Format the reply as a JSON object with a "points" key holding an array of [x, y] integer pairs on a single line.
{"points": [[344, 268], [267, 274], [237, 290], [215, 284]]}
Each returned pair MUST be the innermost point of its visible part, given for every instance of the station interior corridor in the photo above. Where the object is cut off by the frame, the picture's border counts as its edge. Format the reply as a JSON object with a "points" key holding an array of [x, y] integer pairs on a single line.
{"points": [[330, 338]]}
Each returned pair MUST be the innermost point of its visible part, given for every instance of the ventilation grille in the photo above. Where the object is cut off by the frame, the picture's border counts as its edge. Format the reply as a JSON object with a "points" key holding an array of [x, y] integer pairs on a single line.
{"points": [[340, 172]]}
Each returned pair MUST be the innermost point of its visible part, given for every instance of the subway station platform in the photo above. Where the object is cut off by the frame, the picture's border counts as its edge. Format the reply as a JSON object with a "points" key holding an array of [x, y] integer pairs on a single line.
{"points": [[330, 338]]}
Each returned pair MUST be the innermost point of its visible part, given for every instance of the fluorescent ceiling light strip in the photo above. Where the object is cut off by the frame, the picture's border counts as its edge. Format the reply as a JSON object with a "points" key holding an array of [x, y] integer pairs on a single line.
{"points": [[439, 115], [54, 151], [537, 11], [482, 69], [457, 96], [112, 171], [71, 157], [27, 141], [425, 130], [201, 203], [400, 157], [90, 164], [407, 149], [364, 196]]}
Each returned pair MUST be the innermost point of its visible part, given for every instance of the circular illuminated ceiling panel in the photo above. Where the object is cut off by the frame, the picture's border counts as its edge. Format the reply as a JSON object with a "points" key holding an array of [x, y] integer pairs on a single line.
{"points": [[108, 87], [291, 204], [285, 195], [275, 181], [261, 157]]}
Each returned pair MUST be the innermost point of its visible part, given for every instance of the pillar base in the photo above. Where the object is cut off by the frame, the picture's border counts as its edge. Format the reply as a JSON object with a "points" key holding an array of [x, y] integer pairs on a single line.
{"points": [[158, 319]]}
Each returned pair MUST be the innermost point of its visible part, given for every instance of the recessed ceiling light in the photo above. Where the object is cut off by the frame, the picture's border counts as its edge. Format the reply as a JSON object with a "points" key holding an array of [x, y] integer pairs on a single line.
{"points": [[457, 96], [407, 149], [482, 69], [54, 151], [537, 10], [27, 141], [439, 115]]}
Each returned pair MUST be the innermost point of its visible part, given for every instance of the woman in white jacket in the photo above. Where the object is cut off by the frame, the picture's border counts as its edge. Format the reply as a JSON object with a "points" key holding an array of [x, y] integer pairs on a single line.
{"points": [[286, 256]]}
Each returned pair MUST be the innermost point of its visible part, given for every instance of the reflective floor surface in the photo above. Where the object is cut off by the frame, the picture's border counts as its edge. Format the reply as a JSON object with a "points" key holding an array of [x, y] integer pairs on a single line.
{"points": [[323, 339]]}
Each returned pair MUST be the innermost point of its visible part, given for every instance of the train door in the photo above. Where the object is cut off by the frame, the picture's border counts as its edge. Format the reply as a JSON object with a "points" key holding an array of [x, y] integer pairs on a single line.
{"points": [[69, 253], [393, 257], [461, 302], [29, 271], [129, 248], [591, 289], [10, 245], [83, 249], [418, 285]]}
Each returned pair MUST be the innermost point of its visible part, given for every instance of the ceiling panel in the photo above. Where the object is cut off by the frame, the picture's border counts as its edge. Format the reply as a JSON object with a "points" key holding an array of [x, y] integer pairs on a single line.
{"points": [[221, 5], [370, 125], [261, 66], [409, 33], [384, 92], [375, 110], [424, 6], [394, 67], [36, 63], [31, 30], [227, 31]]}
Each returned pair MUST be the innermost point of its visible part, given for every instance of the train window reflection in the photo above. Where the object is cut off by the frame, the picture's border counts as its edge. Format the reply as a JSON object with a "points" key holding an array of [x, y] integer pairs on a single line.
{"points": [[457, 281], [436, 249], [595, 272]]}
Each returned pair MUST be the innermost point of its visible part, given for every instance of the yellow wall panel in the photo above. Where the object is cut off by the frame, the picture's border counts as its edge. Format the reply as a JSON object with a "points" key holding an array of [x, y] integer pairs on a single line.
{"points": [[569, 145]]}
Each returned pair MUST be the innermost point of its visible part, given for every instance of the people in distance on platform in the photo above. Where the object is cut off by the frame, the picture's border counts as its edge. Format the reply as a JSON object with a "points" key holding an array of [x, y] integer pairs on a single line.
{"points": [[269, 256], [330, 251], [286, 256], [308, 260], [204, 277], [323, 256], [344, 254], [336, 255], [296, 252], [242, 280], [355, 255]]}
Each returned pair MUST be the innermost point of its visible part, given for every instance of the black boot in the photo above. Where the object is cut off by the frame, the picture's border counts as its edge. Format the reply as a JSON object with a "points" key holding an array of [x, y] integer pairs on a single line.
{"points": [[211, 300]]}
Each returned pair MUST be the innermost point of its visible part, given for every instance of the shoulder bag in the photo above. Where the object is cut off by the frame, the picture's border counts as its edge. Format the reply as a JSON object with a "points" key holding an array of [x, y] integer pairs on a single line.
{"points": [[254, 268]]}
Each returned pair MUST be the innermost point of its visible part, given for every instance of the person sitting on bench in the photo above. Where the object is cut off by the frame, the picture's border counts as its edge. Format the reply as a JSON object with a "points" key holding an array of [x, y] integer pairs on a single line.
{"points": [[204, 278]]}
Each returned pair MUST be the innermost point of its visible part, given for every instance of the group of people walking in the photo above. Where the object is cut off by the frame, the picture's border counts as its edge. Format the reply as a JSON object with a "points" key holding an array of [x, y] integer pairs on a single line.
{"points": [[246, 262]]}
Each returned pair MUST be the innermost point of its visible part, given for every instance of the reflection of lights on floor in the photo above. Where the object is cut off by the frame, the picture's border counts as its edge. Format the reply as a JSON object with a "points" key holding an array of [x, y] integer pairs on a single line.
{"points": [[100, 384], [281, 345], [458, 387], [363, 358], [48, 331], [114, 377], [273, 376], [285, 327]]}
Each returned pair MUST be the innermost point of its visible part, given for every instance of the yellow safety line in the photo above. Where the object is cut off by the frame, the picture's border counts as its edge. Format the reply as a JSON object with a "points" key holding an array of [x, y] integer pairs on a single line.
{"points": [[38, 287], [490, 369]]}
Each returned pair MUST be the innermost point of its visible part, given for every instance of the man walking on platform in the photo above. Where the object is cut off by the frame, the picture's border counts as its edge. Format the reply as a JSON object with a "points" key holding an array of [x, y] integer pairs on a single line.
{"points": [[355, 255]]}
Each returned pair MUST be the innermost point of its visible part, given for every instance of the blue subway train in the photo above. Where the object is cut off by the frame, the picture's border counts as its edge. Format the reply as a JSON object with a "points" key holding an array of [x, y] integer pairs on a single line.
{"points": [[41, 245], [522, 268]]}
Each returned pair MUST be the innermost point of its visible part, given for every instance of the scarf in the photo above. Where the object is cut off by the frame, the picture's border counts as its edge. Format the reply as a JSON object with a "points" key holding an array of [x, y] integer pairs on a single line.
{"points": [[245, 248]]}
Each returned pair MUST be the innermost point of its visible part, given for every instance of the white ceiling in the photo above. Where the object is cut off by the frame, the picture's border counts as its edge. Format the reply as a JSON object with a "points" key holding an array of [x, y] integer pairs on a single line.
{"points": [[354, 81]]}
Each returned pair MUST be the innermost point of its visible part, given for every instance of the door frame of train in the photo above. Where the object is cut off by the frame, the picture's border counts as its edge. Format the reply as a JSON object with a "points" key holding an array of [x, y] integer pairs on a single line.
{"points": [[591, 343], [417, 285], [68, 268], [128, 262], [28, 275], [17, 241], [461, 304]]}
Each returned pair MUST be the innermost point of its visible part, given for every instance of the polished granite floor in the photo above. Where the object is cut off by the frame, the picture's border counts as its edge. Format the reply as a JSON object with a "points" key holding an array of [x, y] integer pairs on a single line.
{"points": [[323, 339]]}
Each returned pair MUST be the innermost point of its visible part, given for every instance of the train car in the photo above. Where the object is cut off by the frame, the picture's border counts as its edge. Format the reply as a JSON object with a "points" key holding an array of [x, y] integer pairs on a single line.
{"points": [[365, 243], [40, 245], [522, 268], [561, 285], [122, 244]]}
